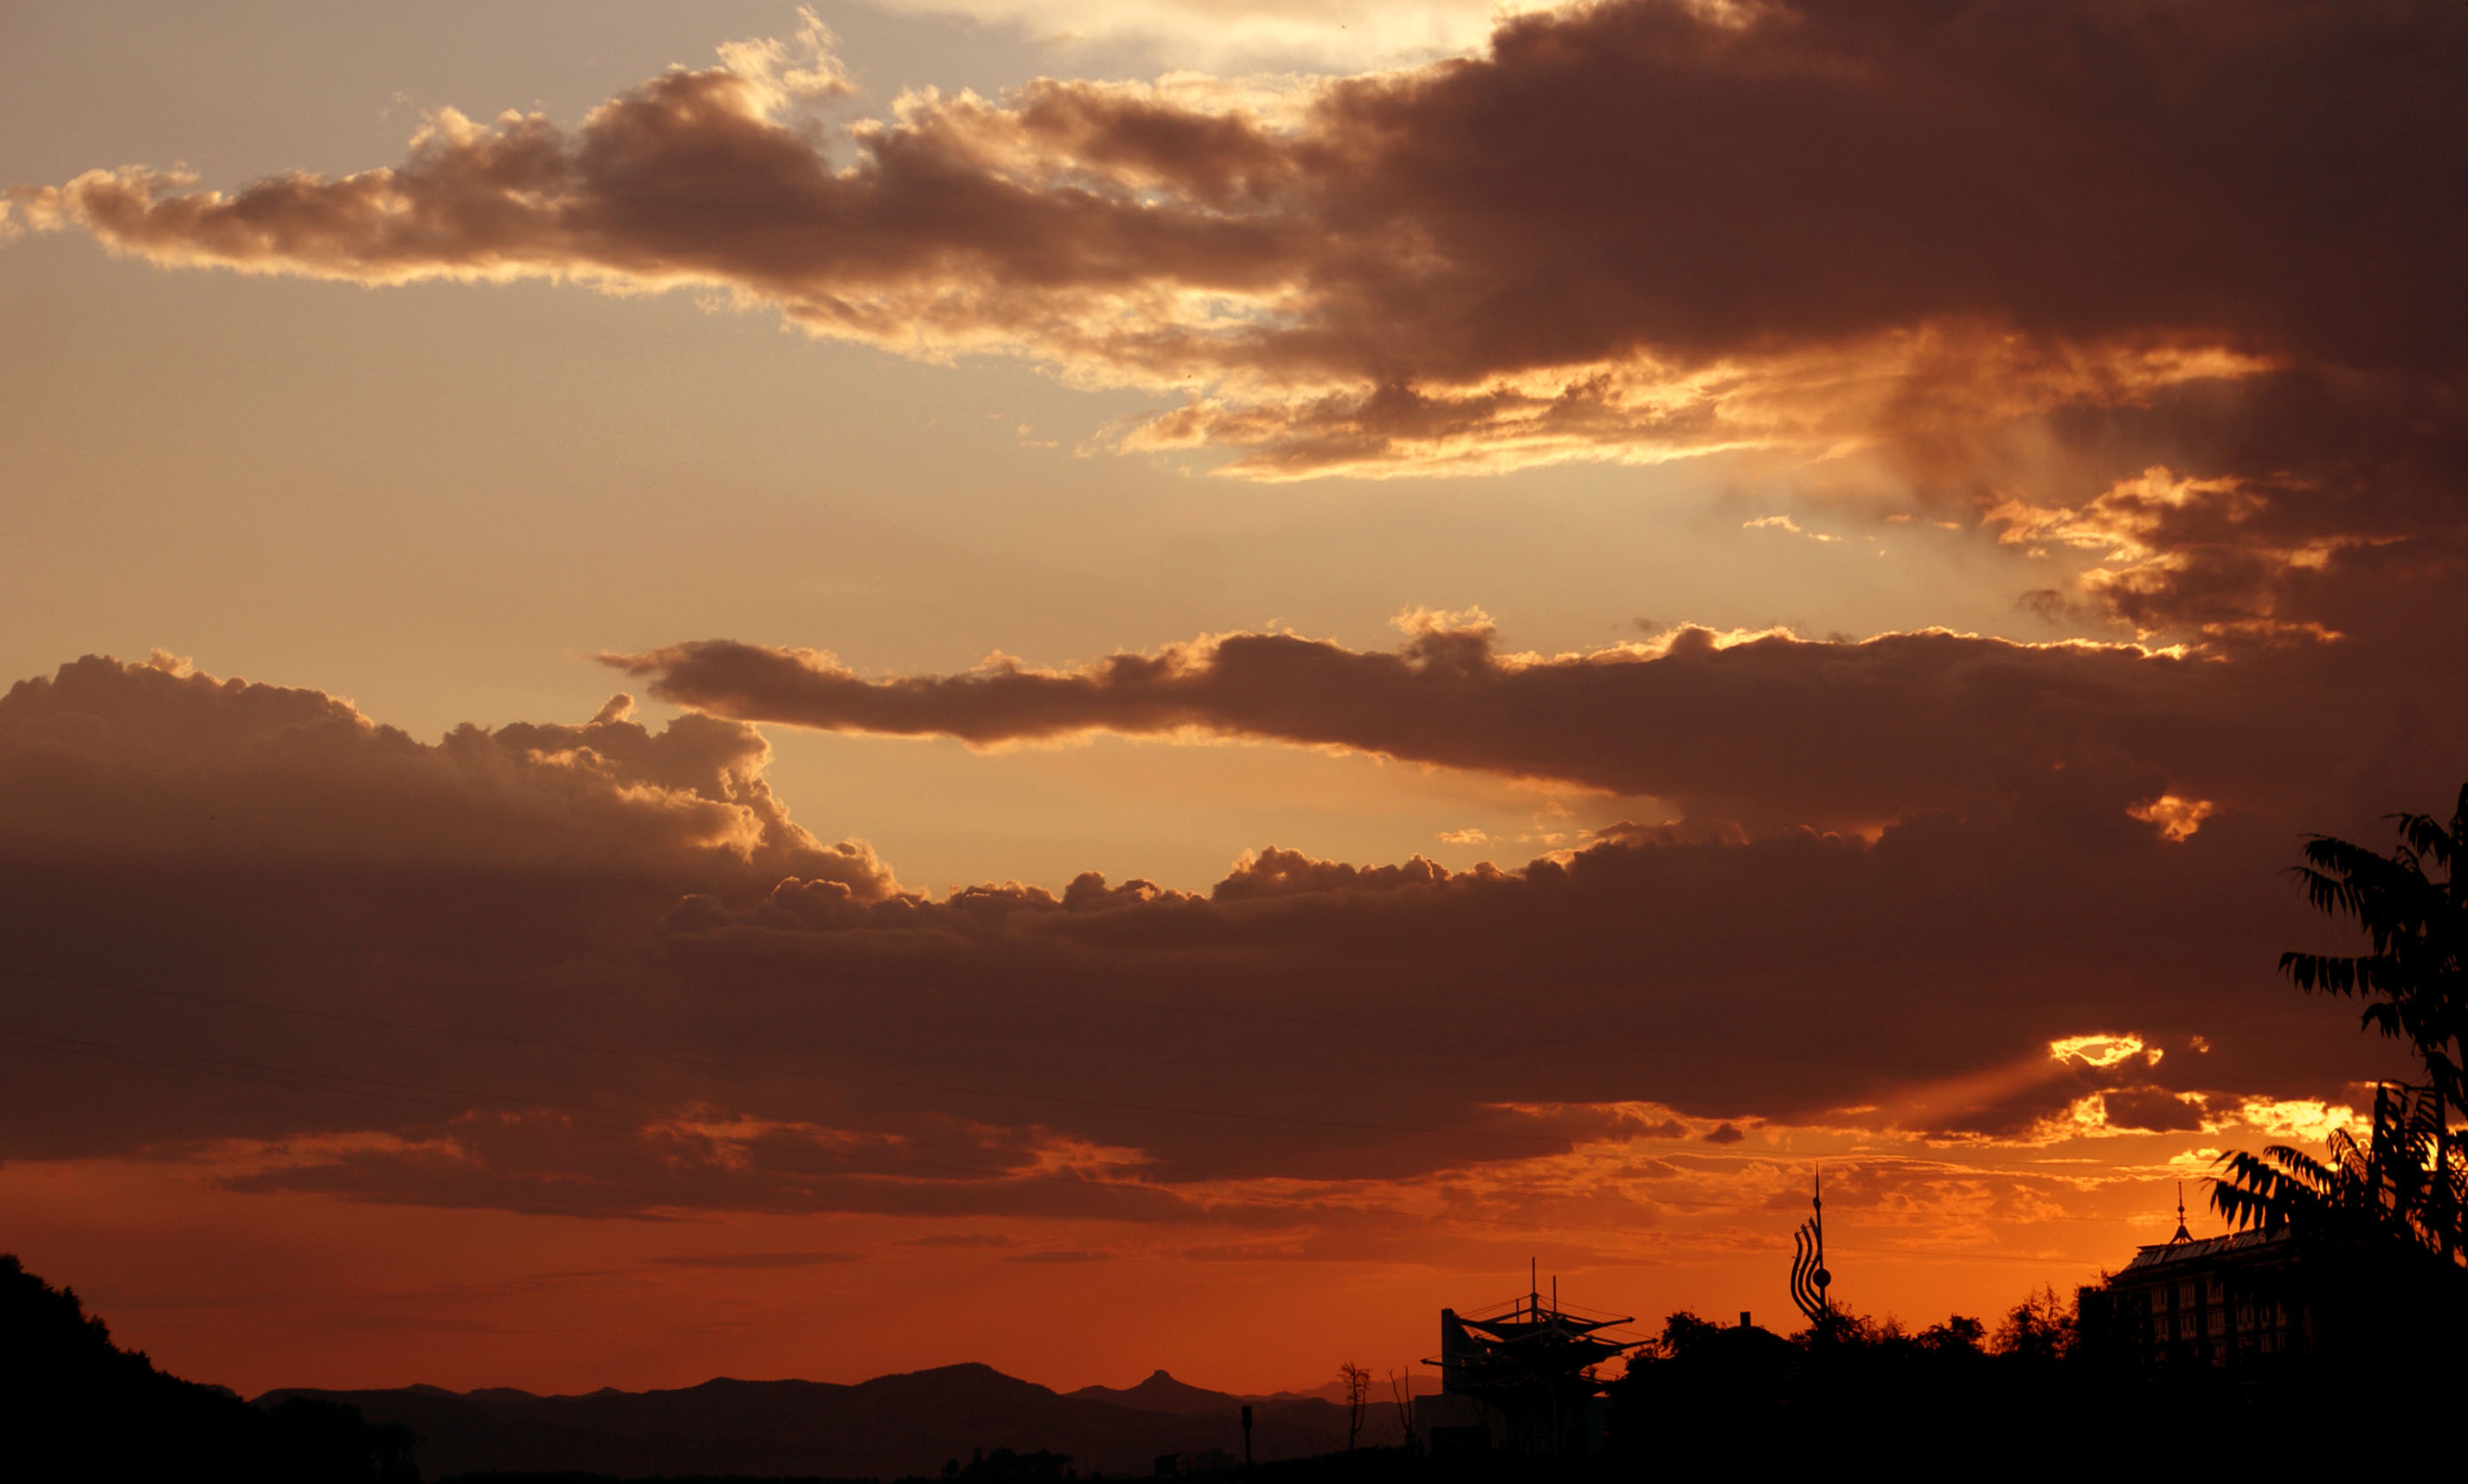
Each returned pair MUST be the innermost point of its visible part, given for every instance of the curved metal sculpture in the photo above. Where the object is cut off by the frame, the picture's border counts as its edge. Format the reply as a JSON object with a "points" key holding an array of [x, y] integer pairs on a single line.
{"points": [[1809, 1278]]}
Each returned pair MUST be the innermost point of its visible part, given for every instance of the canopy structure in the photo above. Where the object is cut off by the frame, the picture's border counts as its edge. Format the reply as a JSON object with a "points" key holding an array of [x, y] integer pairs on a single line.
{"points": [[1531, 1362]]}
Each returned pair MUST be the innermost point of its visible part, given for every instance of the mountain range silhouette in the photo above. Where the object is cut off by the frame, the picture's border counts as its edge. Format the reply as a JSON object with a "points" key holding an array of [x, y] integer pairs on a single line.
{"points": [[892, 1426]]}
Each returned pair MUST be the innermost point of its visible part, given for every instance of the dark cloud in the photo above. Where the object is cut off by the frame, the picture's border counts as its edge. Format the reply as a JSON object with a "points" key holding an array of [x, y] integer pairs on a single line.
{"points": [[2153, 1109], [1625, 230], [2018, 261], [347, 996], [1697, 180], [1763, 731], [1953, 953], [155, 761], [652, 1166]]}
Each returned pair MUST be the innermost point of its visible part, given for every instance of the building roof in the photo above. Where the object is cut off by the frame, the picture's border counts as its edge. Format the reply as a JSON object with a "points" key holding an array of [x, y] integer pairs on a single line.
{"points": [[1524, 1344], [2193, 1249], [1536, 1319]]}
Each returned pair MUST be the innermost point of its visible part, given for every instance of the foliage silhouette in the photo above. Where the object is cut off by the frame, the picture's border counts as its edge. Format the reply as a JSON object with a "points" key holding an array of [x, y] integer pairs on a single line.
{"points": [[73, 1404], [1003, 1466], [1955, 1396], [2414, 978], [2400, 1194], [2037, 1331]]}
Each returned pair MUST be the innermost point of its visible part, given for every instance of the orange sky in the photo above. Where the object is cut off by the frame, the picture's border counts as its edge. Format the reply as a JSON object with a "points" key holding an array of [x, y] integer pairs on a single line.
{"points": [[1266, 660], [262, 1288]]}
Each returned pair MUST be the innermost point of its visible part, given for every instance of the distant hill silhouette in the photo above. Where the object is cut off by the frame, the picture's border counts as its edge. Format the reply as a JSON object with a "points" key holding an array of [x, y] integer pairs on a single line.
{"points": [[1162, 1393], [73, 1405], [890, 1426]]}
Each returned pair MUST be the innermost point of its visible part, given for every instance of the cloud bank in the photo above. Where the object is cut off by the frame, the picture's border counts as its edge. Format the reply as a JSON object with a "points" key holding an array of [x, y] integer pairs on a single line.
{"points": [[155, 761], [1748, 731], [2021, 253], [2169, 287], [594, 970], [2164, 293]]}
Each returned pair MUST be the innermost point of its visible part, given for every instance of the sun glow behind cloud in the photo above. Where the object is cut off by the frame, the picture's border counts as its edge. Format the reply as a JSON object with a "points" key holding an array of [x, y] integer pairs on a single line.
{"points": [[2176, 818], [2103, 1050]]}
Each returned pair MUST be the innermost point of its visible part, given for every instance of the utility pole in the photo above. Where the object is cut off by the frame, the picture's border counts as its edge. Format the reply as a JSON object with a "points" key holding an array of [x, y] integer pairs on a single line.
{"points": [[1247, 1443]]}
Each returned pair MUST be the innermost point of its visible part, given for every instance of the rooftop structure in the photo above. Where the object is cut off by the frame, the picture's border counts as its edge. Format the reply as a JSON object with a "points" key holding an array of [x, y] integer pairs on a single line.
{"points": [[2206, 1301], [1519, 1376]]}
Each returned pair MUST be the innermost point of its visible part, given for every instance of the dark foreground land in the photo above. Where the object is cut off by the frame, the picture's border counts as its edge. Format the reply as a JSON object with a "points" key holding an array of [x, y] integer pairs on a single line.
{"points": [[73, 1405]]}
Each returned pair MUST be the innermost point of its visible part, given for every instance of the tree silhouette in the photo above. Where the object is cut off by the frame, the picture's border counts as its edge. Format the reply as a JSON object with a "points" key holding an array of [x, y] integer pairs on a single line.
{"points": [[2403, 1184], [1958, 1334], [2037, 1331], [1357, 1400], [2409, 1182], [1400, 1390], [2414, 978], [73, 1405]]}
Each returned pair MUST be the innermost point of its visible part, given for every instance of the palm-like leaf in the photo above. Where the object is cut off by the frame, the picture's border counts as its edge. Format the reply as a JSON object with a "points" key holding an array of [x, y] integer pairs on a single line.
{"points": [[2410, 1180], [2295, 1191]]}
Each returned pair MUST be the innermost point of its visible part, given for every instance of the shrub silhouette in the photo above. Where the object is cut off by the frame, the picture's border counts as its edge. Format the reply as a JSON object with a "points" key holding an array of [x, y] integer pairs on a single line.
{"points": [[73, 1405]]}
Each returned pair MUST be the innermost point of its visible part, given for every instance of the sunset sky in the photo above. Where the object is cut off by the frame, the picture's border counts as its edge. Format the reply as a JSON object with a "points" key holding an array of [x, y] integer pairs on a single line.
{"points": [[732, 689]]}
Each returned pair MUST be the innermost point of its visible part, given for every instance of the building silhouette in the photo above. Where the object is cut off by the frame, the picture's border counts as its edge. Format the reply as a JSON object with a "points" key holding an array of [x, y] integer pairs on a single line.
{"points": [[2191, 1301], [1519, 1379]]}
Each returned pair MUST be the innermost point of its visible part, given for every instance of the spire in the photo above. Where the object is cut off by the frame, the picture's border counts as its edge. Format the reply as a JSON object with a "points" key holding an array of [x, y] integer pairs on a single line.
{"points": [[2182, 1235], [1809, 1279]]}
